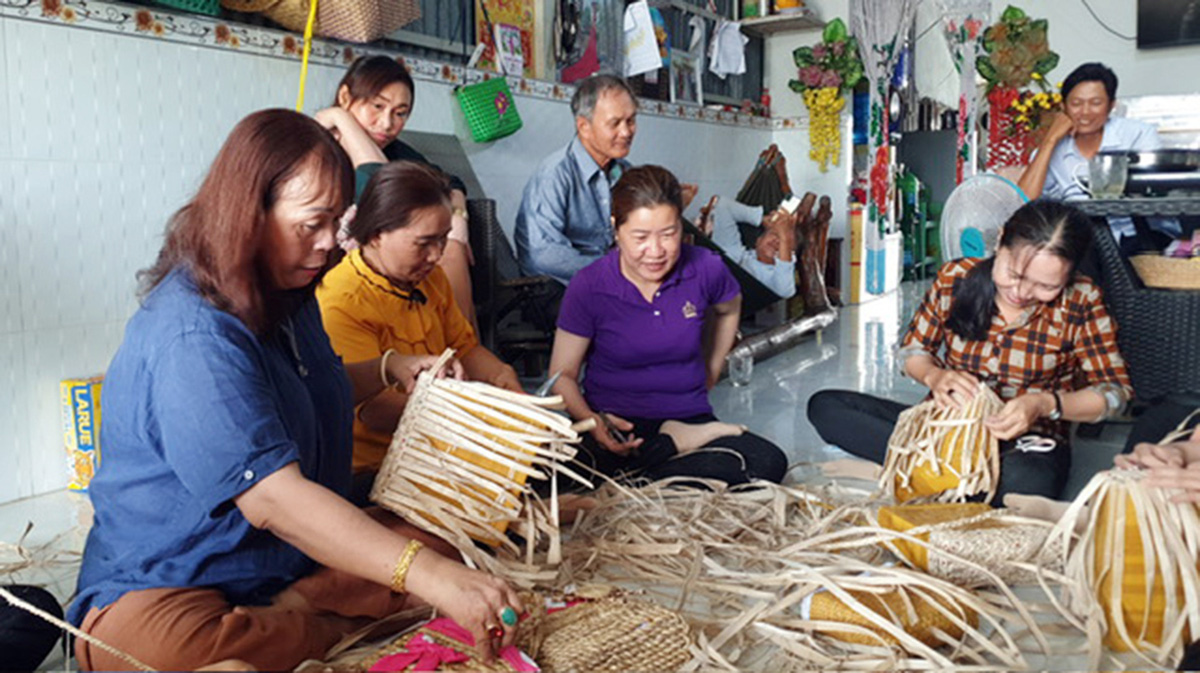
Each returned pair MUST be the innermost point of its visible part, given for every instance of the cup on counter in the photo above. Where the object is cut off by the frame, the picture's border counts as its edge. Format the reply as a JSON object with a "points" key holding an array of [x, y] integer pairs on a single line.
{"points": [[1107, 174], [740, 365]]}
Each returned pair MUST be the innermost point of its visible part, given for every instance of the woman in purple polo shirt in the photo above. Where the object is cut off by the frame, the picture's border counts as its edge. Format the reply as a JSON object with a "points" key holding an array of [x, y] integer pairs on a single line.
{"points": [[637, 318]]}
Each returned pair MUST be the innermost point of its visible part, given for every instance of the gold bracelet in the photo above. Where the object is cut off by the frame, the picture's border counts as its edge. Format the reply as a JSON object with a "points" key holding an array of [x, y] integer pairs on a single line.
{"points": [[404, 563], [383, 368]]}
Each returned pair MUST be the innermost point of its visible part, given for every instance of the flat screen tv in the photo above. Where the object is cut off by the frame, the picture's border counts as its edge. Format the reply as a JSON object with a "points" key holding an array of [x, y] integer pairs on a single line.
{"points": [[1168, 23]]}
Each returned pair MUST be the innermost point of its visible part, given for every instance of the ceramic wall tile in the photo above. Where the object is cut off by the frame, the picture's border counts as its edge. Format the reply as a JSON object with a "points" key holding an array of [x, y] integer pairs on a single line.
{"points": [[105, 132]]}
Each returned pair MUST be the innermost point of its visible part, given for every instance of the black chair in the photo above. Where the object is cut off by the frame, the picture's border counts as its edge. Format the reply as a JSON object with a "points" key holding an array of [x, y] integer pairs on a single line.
{"points": [[516, 313], [1158, 330]]}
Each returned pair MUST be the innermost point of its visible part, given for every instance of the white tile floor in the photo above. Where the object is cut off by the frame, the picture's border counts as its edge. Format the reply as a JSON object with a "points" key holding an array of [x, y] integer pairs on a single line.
{"points": [[856, 353]]}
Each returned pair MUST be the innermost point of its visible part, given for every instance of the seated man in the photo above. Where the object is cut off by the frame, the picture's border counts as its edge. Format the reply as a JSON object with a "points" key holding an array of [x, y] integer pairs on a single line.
{"points": [[564, 220], [1085, 129], [772, 261]]}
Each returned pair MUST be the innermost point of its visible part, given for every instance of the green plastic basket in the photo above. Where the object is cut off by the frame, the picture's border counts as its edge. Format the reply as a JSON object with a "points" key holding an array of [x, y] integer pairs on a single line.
{"points": [[490, 109], [209, 7]]}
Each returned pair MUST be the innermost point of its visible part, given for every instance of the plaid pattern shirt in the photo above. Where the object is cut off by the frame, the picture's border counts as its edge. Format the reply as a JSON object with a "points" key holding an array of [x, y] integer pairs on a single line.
{"points": [[1067, 345]]}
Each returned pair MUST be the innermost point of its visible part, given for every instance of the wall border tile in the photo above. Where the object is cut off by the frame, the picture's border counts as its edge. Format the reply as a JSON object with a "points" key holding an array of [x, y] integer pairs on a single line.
{"points": [[216, 33]]}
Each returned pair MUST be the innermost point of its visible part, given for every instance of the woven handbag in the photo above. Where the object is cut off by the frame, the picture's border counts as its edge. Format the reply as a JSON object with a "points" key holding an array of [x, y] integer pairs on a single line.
{"points": [[349, 20], [958, 536]]}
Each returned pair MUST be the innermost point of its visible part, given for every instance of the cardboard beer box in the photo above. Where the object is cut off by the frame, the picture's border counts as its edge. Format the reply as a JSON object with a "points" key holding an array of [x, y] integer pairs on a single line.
{"points": [[81, 428]]}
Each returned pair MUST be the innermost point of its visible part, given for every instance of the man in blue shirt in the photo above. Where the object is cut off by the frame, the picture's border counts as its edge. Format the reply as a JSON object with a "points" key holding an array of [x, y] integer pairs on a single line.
{"points": [[563, 223], [1086, 129]]}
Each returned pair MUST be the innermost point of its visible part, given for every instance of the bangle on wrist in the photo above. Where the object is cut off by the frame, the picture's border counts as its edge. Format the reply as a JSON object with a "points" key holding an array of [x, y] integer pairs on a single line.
{"points": [[383, 376], [400, 573], [1056, 414]]}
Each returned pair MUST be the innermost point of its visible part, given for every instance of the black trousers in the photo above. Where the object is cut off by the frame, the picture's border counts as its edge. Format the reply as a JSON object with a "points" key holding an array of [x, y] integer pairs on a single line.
{"points": [[1157, 421], [25, 638], [862, 425], [734, 460]]}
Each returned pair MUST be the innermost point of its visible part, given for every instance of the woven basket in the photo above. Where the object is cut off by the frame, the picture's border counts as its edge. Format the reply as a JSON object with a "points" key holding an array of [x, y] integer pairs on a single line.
{"points": [[614, 633], [250, 5], [944, 454], [490, 109], [349, 20], [461, 457], [608, 632], [966, 534], [1168, 272], [1135, 564], [917, 614]]}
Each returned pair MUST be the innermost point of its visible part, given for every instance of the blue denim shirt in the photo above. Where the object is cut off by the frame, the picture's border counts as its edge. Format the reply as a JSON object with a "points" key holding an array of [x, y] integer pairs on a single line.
{"points": [[197, 409], [564, 222]]}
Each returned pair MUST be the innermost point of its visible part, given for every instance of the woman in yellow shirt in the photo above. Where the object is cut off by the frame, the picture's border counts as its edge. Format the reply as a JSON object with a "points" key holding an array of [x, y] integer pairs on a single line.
{"points": [[390, 294]]}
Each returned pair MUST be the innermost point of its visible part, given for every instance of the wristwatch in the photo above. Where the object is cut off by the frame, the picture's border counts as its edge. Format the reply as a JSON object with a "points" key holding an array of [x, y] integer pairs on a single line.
{"points": [[461, 212], [1057, 413]]}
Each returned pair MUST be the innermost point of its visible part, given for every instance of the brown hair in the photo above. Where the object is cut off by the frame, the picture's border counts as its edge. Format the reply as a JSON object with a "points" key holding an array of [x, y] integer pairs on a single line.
{"points": [[217, 236], [394, 194], [369, 75], [645, 187]]}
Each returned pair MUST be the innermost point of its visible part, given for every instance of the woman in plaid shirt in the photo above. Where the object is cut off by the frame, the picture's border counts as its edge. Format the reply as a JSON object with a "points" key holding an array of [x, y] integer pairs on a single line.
{"points": [[1020, 321]]}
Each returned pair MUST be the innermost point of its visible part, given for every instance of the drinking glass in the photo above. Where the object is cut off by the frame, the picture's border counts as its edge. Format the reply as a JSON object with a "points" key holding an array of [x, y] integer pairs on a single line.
{"points": [[741, 367]]}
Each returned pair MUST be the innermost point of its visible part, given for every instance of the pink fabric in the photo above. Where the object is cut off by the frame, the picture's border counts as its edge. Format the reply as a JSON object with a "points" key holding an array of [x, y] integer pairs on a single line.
{"points": [[429, 655]]}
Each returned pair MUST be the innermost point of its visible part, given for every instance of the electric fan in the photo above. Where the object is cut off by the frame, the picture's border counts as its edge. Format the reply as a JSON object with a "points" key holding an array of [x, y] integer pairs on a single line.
{"points": [[974, 214]]}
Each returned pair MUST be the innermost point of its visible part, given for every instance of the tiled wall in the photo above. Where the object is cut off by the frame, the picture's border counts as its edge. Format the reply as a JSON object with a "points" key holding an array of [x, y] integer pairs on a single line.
{"points": [[103, 135]]}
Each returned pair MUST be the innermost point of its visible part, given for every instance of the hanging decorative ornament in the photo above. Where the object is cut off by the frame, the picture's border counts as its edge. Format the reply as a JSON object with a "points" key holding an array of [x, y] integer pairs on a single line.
{"points": [[962, 23], [880, 26], [826, 72], [1018, 54]]}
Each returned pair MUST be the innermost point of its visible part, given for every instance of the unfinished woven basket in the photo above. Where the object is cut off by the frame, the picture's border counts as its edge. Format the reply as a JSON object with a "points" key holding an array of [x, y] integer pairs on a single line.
{"points": [[969, 544], [461, 458], [947, 455], [1137, 559]]}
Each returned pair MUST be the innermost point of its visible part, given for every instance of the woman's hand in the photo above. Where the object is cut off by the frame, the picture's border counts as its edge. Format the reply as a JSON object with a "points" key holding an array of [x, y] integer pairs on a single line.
{"points": [[1150, 456], [1186, 479], [507, 379], [951, 388], [335, 119], [358, 144], [471, 598], [403, 369], [1018, 415], [608, 425]]}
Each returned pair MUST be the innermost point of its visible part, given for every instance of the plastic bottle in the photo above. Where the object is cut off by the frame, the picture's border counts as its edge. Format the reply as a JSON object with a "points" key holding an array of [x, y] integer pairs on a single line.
{"points": [[766, 102]]}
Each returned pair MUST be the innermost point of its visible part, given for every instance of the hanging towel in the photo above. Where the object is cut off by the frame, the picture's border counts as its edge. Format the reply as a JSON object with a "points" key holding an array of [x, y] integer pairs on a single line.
{"points": [[728, 50]]}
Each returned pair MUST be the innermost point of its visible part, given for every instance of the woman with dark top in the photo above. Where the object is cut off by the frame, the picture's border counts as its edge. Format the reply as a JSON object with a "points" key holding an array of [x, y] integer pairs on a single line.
{"points": [[221, 525], [1021, 321], [371, 107], [653, 321]]}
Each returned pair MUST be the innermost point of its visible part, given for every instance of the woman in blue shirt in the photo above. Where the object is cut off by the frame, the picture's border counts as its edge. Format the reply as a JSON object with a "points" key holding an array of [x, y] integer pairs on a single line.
{"points": [[221, 529]]}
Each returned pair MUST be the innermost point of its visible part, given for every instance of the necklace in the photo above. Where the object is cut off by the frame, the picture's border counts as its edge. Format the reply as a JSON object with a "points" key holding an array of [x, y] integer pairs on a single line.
{"points": [[289, 331], [416, 295]]}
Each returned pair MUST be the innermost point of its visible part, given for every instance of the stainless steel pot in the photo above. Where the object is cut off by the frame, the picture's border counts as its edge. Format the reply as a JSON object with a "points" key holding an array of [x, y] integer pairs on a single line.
{"points": [[1163, 161]]}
